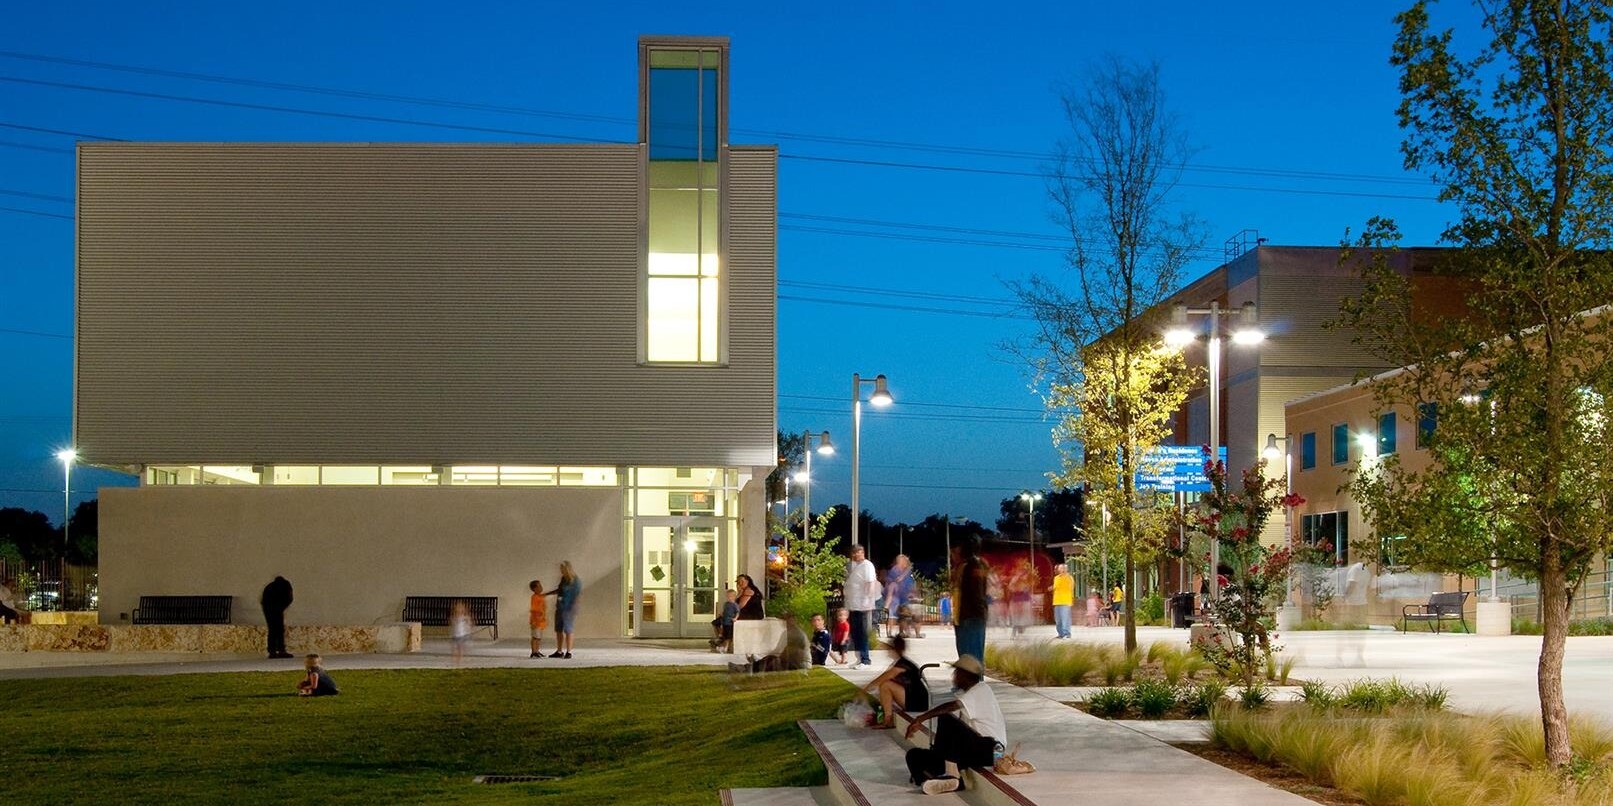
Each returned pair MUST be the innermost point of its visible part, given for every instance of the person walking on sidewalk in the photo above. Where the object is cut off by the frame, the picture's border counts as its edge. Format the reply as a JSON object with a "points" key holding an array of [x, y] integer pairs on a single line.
{"points": [[861, 591], [275, 599], [972, 606]]}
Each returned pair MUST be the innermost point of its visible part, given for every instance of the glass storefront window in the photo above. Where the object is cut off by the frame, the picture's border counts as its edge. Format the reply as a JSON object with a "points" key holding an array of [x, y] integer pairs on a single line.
{"points": [[486, 475], [296, 474]]}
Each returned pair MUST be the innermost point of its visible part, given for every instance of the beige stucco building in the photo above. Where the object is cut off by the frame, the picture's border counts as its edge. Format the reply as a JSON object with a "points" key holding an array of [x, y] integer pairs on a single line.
{"points": [[383, 370]]}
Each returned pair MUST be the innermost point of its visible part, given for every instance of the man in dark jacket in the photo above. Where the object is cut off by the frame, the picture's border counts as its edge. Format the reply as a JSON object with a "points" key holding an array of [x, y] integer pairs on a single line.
{"points": [[276, 598]]}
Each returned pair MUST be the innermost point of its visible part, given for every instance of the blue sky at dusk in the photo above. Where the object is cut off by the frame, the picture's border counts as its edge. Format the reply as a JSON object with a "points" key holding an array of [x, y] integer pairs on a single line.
{"points": [[1266, 90]]}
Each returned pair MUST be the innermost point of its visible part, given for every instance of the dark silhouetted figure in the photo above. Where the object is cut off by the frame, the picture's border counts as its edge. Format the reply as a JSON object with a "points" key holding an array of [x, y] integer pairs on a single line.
{"points": [[276, 598]]}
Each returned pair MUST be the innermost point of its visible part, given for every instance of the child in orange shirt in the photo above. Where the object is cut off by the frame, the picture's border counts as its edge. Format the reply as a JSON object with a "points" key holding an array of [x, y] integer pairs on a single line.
{"points": [[539, 617]]}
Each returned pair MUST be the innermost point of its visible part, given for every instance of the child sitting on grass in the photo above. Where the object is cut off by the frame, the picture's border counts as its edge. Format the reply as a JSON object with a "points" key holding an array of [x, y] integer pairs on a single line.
{"points": [[316, 683]]}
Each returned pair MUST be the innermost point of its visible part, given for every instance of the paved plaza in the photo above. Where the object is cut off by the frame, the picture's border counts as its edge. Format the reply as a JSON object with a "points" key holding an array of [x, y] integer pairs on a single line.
{"points": [[1482, 673]]}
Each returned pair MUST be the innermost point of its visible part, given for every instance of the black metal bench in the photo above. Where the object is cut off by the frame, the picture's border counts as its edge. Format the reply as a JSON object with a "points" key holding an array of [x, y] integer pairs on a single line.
{"points": [[183, 610], [433, 611], [1445, 606]]}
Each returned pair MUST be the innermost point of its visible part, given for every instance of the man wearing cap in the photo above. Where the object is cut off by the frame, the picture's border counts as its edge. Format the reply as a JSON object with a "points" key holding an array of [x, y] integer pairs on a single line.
{"points": [[974, 741]]}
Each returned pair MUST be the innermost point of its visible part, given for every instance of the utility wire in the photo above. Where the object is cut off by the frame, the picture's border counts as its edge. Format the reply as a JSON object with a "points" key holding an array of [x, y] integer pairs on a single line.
{"points": [[36, 212], [551, 135], [818, 138]]}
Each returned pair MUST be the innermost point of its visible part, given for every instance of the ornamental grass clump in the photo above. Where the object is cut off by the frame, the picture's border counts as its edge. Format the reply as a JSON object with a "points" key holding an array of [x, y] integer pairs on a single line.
{"points": [[1109, 703], [1044, 663], [1198, 701], [1254, 696], [1153, 698], [1419, 757]]}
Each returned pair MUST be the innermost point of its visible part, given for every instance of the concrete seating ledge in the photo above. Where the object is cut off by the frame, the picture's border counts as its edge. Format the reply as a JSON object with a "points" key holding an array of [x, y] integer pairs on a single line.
{"points": [[757, 636], [240, 639]]}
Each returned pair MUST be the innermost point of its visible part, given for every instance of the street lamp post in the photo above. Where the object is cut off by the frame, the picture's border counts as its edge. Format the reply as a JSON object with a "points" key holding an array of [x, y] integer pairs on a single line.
{"points": [[804, 478], [67, 457], [881, 397], [1180, 336], [1031, 499], [1287, 615], [1030, 572]]}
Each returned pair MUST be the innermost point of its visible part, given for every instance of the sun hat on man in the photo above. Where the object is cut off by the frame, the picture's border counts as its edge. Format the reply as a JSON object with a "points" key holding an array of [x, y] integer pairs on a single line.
{"points": [[970, 664]]}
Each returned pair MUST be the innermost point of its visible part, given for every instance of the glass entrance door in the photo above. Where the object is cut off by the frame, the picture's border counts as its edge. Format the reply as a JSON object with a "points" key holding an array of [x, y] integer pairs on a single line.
{"points": [[678, 577]]}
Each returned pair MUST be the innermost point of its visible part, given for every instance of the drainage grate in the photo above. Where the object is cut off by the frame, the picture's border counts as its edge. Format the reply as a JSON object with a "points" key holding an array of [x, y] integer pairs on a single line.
{"points": [[513, 779]]}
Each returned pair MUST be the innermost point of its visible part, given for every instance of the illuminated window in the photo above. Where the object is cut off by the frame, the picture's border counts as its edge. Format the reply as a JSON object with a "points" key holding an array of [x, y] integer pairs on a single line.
{"points": [[406, 475], [683, 132], [296, 474], [349, 475]]}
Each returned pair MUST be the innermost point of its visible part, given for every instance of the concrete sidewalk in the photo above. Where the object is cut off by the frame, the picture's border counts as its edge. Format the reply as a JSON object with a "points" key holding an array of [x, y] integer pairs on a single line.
{"points": [[1082, 758]]}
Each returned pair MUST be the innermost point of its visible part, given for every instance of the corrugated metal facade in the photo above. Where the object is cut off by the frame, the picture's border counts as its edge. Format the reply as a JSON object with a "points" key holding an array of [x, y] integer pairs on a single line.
{"points": [[400, 303]]}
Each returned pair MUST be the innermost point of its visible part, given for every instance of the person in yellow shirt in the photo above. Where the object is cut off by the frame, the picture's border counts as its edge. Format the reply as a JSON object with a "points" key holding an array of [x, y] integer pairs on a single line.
{"points": [[1063, 598], [1117, 601]]}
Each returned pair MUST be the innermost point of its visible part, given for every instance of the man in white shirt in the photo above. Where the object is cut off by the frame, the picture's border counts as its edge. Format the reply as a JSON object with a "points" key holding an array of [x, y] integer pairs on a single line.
{"points": [[861, 591], [975, 740]]}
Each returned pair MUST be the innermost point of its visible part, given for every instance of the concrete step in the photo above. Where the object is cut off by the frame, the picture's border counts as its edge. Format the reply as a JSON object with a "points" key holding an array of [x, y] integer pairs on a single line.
{"points": [[779, 796], [867, 767]]}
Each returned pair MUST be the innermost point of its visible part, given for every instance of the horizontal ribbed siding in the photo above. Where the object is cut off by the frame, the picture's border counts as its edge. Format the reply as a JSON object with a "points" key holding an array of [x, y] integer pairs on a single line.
{"points": [[1295, 310], [391, 303]]}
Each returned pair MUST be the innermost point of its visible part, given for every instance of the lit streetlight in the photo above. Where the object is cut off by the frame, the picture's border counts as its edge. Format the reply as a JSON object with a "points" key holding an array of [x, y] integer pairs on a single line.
{"points": [[1272, 453], [67, 457], [804, 478], [1030, 499], [881, 398], [1181, 334]]}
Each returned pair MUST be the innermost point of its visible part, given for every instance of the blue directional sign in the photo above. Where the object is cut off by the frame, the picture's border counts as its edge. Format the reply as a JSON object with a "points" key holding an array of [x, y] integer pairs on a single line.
{"points": [[1176, 469]]}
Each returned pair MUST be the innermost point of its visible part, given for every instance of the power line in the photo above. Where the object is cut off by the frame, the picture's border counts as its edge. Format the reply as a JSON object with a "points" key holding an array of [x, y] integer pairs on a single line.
{"points": [[64, 132], [920, 415], [1061, 239], [892, 292], [32, 147], [1033, 174], [818, 138], [928, 405], [910, 308], [551, 135], [298, 111], [28, 195], [36, 212], [34, 332]]}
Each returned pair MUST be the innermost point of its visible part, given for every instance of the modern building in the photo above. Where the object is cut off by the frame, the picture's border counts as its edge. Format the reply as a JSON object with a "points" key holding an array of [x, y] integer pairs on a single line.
{"points": [[1297, 292], [389, 369]]}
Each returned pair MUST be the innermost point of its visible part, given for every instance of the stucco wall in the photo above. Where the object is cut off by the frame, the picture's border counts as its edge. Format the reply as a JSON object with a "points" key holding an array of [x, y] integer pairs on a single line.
{"points": [[353, 554]]}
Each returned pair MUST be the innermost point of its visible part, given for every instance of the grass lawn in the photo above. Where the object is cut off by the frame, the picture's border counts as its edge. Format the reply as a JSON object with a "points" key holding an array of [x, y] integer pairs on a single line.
{"points": [[612, 735]]}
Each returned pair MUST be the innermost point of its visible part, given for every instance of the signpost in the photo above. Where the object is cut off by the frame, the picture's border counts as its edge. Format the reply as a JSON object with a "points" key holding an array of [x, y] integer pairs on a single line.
{"points": [[1176, 469]]}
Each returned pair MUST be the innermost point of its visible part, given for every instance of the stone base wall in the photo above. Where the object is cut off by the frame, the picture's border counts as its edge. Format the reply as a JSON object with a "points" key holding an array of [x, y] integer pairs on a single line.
{"points": [[237, 639]]}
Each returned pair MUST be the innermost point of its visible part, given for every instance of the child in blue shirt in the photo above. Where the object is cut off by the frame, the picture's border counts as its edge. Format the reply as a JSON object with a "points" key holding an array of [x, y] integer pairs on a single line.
{"points": [[723, 625]]}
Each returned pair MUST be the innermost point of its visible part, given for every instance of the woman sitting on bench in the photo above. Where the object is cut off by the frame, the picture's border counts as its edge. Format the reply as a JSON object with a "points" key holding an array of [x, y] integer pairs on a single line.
{"points": [[900, 686]]}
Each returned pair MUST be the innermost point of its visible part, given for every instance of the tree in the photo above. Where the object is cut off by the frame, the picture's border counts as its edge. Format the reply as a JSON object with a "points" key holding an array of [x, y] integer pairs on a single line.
{"points": [[791, 448], [1517, 137], [1258, 574], [1059, 515], [815, 567], [1095, 351], [31, 533], [84, 533]]}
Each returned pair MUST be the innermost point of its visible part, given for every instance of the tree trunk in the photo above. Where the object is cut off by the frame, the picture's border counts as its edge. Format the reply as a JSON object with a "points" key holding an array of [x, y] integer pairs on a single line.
{"points": [[1554, 606], [1131, 600]]}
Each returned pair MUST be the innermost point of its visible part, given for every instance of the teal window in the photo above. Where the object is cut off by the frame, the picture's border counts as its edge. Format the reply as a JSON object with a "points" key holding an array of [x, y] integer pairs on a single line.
{"points": [[1307, 451], [1386, 433], [1427, 420], [1341, 444]]}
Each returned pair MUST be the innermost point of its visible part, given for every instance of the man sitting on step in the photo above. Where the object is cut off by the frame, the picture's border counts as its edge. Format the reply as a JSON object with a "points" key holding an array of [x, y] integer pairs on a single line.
{"points": [[975, 741]]}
